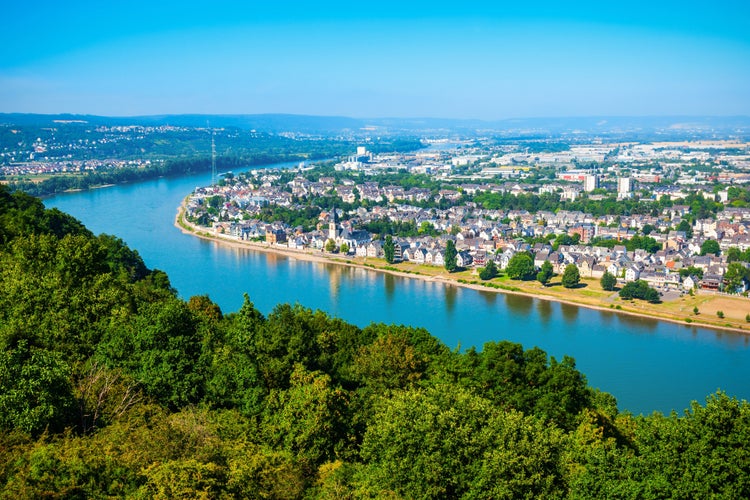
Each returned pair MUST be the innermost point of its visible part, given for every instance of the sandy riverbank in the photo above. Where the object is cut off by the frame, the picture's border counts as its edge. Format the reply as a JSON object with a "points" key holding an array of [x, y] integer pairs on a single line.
{"points": [[734, 308]]}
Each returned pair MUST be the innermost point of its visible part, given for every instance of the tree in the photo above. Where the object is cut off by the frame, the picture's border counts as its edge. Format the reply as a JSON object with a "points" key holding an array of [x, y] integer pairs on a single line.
{"points": [[608, 281], [447, 442], [691, 271], [344, 248], [735, 276], [234, 380], [527, 381], [545, 273], [165, 353], [521, 267], [652, 296], [571, 277], [389, 249], [733, 254], [35, 390], [562, 239], [639, 290], [712, 457], [489, 271], [390, 362], [710, 246], [450, 256], [426, 228], [306, 419], [686, 228], [330, 246]]}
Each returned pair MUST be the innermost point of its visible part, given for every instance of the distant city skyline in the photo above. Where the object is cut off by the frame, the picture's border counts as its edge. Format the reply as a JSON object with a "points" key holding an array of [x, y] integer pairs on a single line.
{"points": [[410, 59]]}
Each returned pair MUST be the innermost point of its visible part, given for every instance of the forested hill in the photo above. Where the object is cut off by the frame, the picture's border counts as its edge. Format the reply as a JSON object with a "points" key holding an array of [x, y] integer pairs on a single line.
{"points": [[112, 386]]}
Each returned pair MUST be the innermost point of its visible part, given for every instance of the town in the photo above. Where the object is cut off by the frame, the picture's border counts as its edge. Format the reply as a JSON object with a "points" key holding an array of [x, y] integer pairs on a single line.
{"points": [[675, 215]]}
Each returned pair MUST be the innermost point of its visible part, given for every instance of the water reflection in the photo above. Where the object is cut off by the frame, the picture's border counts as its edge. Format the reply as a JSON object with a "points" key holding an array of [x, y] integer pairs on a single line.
{"points": [[274, 259], [607, 317], [544, 310], [339, 277], [490, 298], [518, 304], [638, 323], [569, 312], [450, 299], [334, 281], [389, 286]]}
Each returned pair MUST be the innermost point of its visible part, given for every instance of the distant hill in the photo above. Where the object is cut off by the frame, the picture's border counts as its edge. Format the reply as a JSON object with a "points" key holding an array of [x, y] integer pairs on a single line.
{"points": [[666, 126]]}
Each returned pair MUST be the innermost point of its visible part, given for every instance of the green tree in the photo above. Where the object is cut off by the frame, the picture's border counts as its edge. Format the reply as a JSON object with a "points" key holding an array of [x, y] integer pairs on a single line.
{"points": [[710, 246], [652, 296], [733, 254], [691, 271], [390, 362], [525, 380], [521, 266], [186, 478], [330, 246], [686, 227], [735, 276], [234, 379], [450, 256], [162, 348], [344, 248], [489, 271], [571, 276], [563, 239], [642, 242], [307, 418], [545, 273], [701, 454], [426, 228], [35, 390], [446, 442], [389, 249], [639, 289], [608, 281]]}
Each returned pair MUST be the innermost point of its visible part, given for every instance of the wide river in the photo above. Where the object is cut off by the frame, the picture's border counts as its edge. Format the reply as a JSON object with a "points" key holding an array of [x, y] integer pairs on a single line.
{"points": [[647, 365]]}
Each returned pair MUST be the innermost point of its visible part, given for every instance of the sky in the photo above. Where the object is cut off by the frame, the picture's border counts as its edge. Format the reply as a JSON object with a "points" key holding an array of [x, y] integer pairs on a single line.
{"points": [[473, 60]]}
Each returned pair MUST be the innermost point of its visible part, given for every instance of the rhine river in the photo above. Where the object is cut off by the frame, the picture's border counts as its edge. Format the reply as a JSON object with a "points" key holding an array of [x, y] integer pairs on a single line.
{"points": [[647, 365]]}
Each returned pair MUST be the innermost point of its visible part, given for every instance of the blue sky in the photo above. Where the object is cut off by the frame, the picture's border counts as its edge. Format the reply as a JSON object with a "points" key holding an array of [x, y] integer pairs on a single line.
{"points": [[487, 60]]}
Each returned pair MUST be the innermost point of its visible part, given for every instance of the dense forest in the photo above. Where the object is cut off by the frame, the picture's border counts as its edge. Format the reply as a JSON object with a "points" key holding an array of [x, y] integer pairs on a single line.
{"points": [[113, 386]]}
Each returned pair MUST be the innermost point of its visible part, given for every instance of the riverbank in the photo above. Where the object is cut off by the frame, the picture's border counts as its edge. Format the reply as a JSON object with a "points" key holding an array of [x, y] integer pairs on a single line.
{"points": [[679, 309]]}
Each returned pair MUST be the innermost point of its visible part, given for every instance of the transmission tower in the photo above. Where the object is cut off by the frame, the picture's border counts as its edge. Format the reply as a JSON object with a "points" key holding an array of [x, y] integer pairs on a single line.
{"points": [[213, 160]]}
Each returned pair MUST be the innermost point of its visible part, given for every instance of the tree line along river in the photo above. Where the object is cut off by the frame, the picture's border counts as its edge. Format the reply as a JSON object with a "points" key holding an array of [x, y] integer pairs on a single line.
{"points": [[646, 364]]}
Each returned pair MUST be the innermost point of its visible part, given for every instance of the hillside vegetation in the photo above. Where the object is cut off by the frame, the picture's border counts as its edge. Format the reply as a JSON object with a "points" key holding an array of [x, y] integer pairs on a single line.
{"points": [[113, 386]]}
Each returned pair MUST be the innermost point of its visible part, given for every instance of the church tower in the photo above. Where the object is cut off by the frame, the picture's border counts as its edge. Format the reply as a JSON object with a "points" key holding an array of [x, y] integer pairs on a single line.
{"points": [[332, 230]]}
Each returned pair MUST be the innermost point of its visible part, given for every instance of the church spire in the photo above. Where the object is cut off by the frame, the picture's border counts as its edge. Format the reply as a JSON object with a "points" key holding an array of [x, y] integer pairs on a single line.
{"points": [[332, 225]]}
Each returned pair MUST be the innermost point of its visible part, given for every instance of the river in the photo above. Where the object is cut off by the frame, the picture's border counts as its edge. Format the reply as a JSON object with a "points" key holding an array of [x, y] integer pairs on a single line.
{"points": [[647, 365]]}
